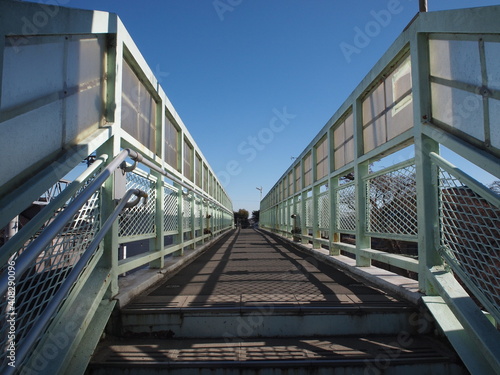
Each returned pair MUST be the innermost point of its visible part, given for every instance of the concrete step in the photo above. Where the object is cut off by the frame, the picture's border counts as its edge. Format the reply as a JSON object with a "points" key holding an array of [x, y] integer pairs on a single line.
{"points": [[281, 315], [374, 354]]}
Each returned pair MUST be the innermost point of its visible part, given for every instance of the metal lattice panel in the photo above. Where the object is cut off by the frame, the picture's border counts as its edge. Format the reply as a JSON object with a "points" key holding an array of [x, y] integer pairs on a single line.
{"points": [[392, 202], [324, 210], [346, 208], [186, 212], [309, 212], [139, 220], [198, 214], [36, 287], [470, 236], [171, 210]]}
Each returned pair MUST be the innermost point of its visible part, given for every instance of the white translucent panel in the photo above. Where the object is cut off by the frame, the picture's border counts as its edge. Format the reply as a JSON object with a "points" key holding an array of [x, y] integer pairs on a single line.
{"points": [[374, 134], [492, 52], [85, 61], [495, 122], [32, 71], [41, 127], [138, 109], [373, 105], [400, 118], [399, 82], [456, 60], [349, 151], [339, 158], [171, 143], [349, 127], [339, 136], [83, 113], [459, 109]]}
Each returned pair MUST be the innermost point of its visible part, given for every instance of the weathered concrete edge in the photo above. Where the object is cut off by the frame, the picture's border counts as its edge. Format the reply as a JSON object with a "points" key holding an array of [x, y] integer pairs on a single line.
{"points": [[390, 282], [140, 281]]}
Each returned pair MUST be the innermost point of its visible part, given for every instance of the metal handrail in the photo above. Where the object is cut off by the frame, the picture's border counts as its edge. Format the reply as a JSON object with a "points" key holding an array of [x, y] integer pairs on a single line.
{"points": [[63, 291], [43, 240], [36, 223], [167, 174]]}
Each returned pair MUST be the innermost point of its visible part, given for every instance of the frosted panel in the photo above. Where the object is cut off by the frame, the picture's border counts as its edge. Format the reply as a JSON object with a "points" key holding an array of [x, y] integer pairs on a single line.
{"points": [[32, 71], [374, 134], [455, 60], [339, 136], [86, 63], [495, 123], [373, 105], [138, 109], [32, 128], [399, 82], [400, 118], [492, 51], [460, 109], [55, 85]]}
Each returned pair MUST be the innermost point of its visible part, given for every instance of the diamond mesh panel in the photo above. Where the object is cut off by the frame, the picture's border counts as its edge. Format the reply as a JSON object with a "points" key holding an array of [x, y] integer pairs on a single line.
{"points": [[392, 205], [36, 287], [186, 212], [309, 212], [346, 209], [197, 214], [140, 219], [470, 235], [171, 210], [298, 212], [324, 210]]}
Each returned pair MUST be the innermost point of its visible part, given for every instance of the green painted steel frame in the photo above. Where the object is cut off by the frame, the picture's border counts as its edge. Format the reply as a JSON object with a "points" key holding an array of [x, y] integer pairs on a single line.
{"points": [[81, 319], [427, 136]]}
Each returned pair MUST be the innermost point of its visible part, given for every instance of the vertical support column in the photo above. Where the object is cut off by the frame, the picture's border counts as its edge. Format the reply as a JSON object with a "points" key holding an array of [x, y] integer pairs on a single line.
{"points": [[334, 236], [192, 197], [113, 89], [315, 206], [179, 238], [427, 189], [315, 214], [156, 244], [109, 259], [360, 172]]}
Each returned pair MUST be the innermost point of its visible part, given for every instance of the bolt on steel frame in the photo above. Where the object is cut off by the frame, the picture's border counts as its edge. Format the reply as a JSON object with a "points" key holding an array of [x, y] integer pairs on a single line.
{"points": [[436, 86], [90, 94]]}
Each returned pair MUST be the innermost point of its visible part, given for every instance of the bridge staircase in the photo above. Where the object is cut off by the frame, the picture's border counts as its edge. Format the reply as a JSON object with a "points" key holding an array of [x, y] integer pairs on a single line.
{"points": [[255, 303], [62, 275]]}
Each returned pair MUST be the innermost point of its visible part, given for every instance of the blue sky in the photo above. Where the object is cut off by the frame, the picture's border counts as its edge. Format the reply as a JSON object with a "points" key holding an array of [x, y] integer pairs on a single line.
{"points": [[255, 80]]}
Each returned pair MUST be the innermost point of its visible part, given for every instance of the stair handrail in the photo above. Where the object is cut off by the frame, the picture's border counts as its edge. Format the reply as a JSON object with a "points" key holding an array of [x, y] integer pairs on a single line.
{"points": [[65, 288], [34, 225], [34, 249]]}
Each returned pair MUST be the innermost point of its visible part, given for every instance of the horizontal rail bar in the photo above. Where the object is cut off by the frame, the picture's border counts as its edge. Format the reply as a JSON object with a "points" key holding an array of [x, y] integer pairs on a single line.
{"points": [[61, 294], [33, 225]]}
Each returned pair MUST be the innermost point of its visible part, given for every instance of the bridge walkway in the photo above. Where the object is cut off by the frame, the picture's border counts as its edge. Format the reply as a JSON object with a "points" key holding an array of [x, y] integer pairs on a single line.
{"points": [[256, 300]]}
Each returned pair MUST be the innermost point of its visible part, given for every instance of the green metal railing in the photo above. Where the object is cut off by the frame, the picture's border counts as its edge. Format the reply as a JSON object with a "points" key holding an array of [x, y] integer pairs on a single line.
{"points": [[60, 273], [436, 87]]}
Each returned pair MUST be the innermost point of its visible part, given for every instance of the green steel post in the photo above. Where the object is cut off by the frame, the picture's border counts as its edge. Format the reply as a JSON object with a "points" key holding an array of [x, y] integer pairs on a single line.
{"points": [[333, 235], [360, 171], [179, 238], [427, 204], [156, 243], [109, 259]]}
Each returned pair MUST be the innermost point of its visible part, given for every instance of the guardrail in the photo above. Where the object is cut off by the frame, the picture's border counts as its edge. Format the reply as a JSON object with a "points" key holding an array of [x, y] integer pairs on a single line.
{"points": [[435, 92], [60, 272]]}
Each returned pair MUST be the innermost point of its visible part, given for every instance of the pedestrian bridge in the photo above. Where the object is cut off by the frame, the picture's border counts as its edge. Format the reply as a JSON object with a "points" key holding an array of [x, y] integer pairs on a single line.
{"points": [[355, 268]]}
